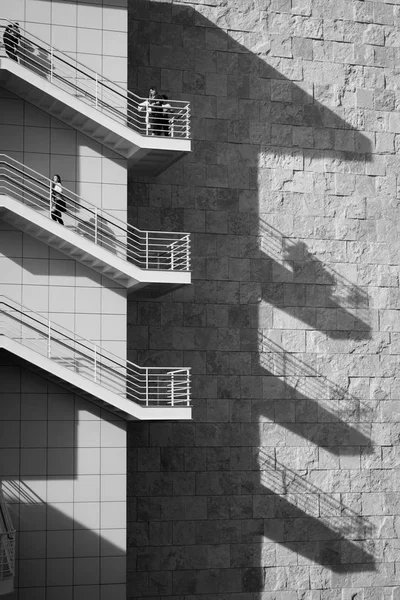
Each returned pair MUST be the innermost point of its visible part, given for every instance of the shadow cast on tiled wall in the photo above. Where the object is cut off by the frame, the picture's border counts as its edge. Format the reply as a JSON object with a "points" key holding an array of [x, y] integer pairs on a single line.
{"points": [[231, 158], [65, 535], [55, 548]]}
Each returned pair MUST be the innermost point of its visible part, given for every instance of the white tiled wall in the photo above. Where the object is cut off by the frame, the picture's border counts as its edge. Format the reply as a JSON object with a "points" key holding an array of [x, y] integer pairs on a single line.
{"points": [[62, 459], [68, 293], [94, 32], [63, 467], [41, 278], [48, 146]]}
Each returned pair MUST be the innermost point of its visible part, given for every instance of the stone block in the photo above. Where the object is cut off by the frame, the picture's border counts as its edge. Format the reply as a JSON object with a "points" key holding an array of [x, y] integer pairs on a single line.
{"points": [[363, 11], [384, 14], [307, 144], [216, 84], [365, 98], [230, 581], [302, 7]]}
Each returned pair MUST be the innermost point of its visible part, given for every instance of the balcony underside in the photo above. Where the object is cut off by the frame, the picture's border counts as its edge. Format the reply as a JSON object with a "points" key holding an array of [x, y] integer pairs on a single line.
{"points": [[89, 390], [145, 155], [79, 248]]}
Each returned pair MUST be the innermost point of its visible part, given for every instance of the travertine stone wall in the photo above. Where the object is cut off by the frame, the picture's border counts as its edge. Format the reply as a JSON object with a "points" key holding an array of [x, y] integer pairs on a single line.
{"points": [[286, 482]]}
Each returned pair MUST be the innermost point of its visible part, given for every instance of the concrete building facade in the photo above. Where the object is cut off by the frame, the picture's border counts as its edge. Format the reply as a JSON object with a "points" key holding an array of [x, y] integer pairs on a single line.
{"points": [[285, 484]]}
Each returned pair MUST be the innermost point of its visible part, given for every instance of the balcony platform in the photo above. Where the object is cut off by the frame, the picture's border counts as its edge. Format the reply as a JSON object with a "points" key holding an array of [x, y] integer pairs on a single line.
{"points": [[77, 247], [89, 390], [146, 155]]}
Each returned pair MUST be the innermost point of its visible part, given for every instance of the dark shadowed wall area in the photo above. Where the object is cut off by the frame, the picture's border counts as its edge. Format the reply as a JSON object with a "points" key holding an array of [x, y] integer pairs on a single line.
{"points": [[285, 483]]}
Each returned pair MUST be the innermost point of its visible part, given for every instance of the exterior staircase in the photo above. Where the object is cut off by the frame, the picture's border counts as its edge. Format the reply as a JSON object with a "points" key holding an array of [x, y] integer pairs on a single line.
{"points": [[135, 259], [94, 105], [122, 387]]}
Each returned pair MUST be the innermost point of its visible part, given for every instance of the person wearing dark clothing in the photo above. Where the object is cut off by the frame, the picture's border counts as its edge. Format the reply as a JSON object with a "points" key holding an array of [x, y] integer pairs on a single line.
{"points": [[158, 115], [11, 39], [57, 201], [167, 117]]}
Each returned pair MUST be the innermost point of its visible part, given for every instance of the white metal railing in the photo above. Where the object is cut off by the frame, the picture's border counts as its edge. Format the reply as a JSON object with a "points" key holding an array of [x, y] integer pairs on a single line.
{"points": [[7, 541], [145, 115], [146, 249], [147, 386]]}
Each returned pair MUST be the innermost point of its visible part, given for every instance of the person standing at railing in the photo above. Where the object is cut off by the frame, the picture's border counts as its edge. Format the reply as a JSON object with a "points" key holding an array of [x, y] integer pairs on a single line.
{"points": [[57, 201], [157, 116], [11, 39], [167, 117], [149, 105]]}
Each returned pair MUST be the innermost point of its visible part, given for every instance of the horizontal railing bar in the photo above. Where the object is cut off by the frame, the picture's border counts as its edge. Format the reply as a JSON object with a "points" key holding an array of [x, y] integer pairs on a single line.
{"points": [[165, 385], [4, 158], [115, 360], [103, 94], [148, 249]]}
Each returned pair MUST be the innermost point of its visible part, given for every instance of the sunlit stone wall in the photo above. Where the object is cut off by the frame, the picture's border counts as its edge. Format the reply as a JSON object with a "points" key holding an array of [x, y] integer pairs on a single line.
{"points": [[285, 484]]}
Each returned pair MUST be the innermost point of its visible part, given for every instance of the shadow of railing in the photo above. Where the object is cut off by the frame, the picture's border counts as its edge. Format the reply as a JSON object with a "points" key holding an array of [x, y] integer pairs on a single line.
{"points": [[93, 554], [316, 525], [321, 411], [252, 134], [344, 306]]}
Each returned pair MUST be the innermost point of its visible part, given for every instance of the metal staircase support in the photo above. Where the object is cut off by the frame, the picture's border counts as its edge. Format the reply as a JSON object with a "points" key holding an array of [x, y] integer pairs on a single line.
{"points": [[149, 393]]}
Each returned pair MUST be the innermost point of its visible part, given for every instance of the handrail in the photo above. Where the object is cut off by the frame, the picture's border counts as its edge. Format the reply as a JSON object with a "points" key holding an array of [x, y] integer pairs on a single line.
{"points": [[145, 115], [147, 386], [148, 250], [7, 541]]}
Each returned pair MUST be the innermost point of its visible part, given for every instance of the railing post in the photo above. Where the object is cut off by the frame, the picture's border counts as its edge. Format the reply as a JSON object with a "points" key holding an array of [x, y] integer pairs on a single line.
{"points": [[49, 341], [187, 253], [51, 63], [94, 363], [147, 249], [95, 225], [50, 197], [97, 90], [147, 385], [187, 121], [172, 389]]}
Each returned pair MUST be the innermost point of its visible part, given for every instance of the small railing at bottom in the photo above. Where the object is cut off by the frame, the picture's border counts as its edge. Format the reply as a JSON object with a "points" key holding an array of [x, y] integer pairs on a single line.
{"points": [[167, 251], [147, 386], [147, 116], [7, 555], [7, 541]]}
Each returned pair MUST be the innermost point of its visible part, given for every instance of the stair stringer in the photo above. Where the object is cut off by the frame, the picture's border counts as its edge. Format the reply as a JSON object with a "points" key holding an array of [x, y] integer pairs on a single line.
{"points": [[90, 254], [145, 154], [90, 390]]}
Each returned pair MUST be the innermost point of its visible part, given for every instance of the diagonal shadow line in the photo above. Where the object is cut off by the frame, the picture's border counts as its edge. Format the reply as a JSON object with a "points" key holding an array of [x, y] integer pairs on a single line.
{"points": [[324, 299], [306, 496], [302, 519], [264, 153], [323, 412], [285, 249], [288, 104], [38, 523]]}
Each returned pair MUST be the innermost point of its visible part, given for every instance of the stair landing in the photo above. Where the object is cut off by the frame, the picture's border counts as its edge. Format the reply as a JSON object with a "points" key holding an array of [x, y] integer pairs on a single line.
{"points": [[146, 155]]}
